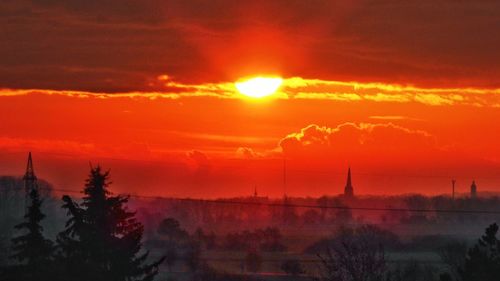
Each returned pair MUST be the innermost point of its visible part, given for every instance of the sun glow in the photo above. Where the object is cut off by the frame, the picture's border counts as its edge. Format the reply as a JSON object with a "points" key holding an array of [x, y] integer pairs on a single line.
{"points": [[259, 87]]}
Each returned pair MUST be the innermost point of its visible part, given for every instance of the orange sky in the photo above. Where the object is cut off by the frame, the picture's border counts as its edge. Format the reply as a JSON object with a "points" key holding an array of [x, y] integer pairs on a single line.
{"points": [[146, 88]]}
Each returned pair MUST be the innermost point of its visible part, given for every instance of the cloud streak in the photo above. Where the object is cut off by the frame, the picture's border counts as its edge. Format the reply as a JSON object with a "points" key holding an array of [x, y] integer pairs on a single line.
{"points": [[297, 88]]}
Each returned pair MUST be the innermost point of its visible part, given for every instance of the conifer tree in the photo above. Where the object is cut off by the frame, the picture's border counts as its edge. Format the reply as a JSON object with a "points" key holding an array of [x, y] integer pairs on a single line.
{"points": [[102, 239], [483, 260], [32, 250]]}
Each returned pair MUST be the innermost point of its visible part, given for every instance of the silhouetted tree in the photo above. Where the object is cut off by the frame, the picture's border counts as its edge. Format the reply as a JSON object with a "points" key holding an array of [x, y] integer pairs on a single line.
{"points": [[377, 235], [416, 202], [211, 241], [412, 271], [483, 260], [270, 240], [289, 215], [292, 267], [311, 217], [12, 208], [445, 277], [171, 228], [253, 261], [199, 235], [102, 239], [343, 215], [235, 242], [192, 255], [32, 250], [453, 255], [171, 255], [3, 251], [207, 240], [355, 256], [207, 273]]}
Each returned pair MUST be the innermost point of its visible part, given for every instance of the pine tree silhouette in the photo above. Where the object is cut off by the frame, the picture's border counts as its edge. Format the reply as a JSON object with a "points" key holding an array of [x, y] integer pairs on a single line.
{"points": [[483, 260], [32, 250], [102, 239]]}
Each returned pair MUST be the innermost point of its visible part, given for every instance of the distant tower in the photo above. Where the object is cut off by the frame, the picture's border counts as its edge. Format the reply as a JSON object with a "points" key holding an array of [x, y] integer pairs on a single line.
{"points": [[29, 180], [453, 181], [473, 190], [349, 190], [284, 175], [255, 194]]}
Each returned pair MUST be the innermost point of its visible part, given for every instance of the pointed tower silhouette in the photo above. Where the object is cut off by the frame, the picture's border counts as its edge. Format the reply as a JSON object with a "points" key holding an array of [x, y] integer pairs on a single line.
{"points": [[348, 190], [473, 190], [30, 180]]}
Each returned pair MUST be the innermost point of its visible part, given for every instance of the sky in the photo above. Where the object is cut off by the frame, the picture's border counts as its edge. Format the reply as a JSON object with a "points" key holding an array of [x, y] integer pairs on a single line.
{"points": [[406, 93]]}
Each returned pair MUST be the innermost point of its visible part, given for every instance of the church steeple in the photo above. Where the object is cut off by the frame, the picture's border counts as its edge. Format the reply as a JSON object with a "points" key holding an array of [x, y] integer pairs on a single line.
{"points": [[473, 190], [349, 190]]}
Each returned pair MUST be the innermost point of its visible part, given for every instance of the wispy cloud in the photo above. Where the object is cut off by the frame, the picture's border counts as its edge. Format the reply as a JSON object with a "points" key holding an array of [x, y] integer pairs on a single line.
{"points": [[301, 88], [297, 88], [394, 117]]}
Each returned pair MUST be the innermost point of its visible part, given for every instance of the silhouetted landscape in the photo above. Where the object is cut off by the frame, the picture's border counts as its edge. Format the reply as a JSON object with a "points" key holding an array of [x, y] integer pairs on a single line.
{"points": [[98, 235], [249, 140]]}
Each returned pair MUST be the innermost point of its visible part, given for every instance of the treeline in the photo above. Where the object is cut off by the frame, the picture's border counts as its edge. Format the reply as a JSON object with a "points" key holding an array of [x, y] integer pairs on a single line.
{"points": [[358, 254], [353, 254], [461, 206], [233, 217], [267, 240], [284, 213], [184, 250], [102, 240]]}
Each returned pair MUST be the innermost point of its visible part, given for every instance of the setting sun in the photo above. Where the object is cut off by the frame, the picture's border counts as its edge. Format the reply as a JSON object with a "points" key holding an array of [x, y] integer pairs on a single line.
{"points": [[259, 87]]}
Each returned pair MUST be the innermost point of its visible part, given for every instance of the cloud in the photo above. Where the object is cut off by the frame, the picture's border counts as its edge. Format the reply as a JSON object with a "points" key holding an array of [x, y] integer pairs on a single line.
{"points": [[380, 97], [87, 149], [297, 88], [247, 153], [394, 117], [328, 96], [120, 46], [363, 142], [300, 88], [47, 145], [200, 163]]}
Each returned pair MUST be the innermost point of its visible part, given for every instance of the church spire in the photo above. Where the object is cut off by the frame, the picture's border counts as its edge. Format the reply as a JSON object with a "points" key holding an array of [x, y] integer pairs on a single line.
{"points": [[473, 190], [349, 190]]}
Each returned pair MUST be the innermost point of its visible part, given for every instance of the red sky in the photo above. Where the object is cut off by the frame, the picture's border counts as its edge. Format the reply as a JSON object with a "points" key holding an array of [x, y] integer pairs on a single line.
{"points": [[408, 94]]}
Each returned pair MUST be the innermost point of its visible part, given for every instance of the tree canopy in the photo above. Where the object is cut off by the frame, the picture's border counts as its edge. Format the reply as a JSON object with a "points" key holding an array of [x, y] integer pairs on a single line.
{"points": [[102, 239]]}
